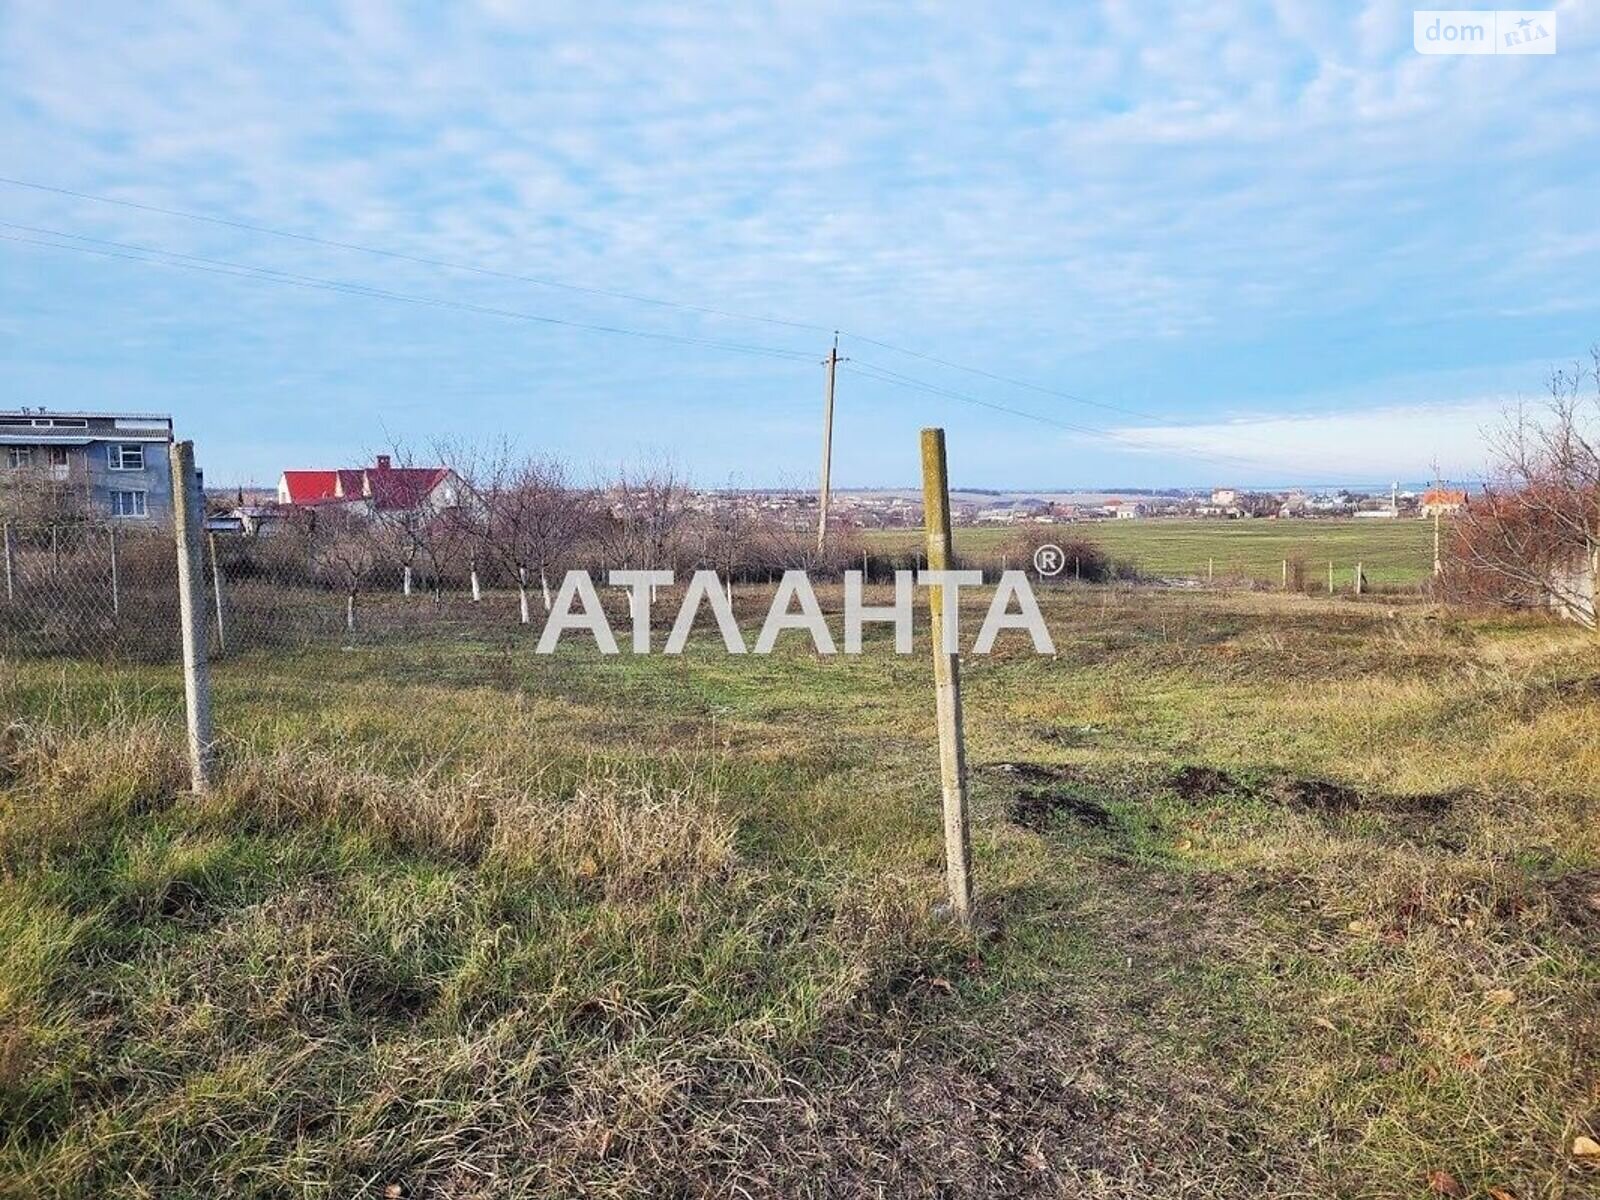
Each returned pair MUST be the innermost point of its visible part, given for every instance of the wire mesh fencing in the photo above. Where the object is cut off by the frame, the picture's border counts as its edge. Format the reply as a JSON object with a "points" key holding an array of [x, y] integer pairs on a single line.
{"points": [[87, 590]]}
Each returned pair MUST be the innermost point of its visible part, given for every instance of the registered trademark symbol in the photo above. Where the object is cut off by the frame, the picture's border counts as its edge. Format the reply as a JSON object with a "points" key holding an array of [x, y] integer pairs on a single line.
{"points": [[1049, 559]]}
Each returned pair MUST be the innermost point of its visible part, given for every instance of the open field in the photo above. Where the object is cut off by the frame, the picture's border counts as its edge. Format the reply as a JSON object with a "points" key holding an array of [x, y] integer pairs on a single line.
{"points": [[1281, 896], [1393, 552]]}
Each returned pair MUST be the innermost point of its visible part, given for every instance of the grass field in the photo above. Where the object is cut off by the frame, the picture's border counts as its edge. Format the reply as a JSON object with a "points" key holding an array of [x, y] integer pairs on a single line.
{"points": [[1392, 552], [1280, 896]]}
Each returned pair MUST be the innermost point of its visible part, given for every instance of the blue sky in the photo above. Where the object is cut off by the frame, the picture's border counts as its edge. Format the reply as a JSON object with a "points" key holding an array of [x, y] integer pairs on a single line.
{"points": [[1268, 240]]}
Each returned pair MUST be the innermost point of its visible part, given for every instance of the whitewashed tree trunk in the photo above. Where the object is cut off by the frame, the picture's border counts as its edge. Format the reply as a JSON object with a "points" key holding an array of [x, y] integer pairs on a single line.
{"points": [[522, 595], [477, 590], [350, 612], [405, 581], [544, 589]]}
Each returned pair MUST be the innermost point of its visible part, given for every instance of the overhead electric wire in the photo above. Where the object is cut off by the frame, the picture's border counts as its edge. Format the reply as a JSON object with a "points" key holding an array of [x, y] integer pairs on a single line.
{"points": [[896, 379], [540, 281], [419, 259], [167, 258], [148, 254]]}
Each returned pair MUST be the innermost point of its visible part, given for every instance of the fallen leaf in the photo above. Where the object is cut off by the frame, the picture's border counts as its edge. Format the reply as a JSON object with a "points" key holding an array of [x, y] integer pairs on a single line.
{"points": [[1500, 996], [1035, 1160], [1586, 1148], [1442, 1183], [394, 1191], [1500, 1193]]}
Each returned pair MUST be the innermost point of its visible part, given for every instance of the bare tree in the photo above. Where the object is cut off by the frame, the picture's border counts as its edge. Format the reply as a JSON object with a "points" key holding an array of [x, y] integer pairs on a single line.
{"points": [[344, 556], [729, 532], [649, 517], [30, 494], [525, 517], [1533, 537]]}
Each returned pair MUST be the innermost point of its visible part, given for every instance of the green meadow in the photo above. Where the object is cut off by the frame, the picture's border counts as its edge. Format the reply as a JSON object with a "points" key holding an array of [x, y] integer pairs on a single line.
{"points": [[1392, 552], [1278, 895]]}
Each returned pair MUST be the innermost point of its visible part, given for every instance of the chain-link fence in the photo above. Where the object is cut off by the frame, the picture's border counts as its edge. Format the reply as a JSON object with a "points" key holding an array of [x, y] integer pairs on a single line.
{"points": [[86, 590]]}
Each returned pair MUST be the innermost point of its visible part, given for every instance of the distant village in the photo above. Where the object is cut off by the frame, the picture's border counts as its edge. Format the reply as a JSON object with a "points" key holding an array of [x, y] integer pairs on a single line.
{"points": [[114, 465], [384, 486]]}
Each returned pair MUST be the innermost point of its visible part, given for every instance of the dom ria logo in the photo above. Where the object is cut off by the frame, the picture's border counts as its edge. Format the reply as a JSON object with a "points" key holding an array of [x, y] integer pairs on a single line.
{"points": [[1483, 31]]}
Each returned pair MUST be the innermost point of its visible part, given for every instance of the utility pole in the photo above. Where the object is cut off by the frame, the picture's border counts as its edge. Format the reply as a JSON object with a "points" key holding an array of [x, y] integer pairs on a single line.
{"points": [[832, 363]]}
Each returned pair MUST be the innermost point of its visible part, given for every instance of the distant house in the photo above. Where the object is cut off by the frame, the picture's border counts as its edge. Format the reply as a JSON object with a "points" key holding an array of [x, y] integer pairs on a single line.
{"points": [[1224, 497], [110, 464], [1442, 501], [381, 487]]}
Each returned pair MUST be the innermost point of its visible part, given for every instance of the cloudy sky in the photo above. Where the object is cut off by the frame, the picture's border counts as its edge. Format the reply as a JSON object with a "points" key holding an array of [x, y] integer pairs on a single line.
{"points": [[1124, 244]]}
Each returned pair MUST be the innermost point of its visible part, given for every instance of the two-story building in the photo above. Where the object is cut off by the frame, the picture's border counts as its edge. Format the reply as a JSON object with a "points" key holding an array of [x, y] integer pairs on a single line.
{"points": [[115, 464]]}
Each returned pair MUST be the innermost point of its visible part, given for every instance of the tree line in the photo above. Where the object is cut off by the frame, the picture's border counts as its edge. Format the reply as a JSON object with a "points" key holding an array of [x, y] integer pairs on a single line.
{"points": [[521, 520]]}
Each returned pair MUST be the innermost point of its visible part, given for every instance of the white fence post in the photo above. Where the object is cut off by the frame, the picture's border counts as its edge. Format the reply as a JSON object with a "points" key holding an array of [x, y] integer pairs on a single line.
{"points": [[10, 554], [187, 518]]}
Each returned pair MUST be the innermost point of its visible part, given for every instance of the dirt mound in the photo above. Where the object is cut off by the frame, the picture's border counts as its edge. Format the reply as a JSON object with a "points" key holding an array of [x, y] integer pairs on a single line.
{"points": [[1049, 794], [1203, 783]]}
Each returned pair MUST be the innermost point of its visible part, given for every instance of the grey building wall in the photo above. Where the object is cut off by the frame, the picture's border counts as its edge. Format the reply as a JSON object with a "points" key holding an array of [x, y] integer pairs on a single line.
{"points": [[108, 455]]}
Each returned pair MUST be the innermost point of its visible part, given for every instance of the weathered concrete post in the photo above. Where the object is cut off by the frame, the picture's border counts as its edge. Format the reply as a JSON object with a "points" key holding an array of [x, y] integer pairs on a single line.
{"points": [[186, 526], [1330, 577], [1359, 580], [1438, 563], [11, 568], [1286, 574], [947, 681]]}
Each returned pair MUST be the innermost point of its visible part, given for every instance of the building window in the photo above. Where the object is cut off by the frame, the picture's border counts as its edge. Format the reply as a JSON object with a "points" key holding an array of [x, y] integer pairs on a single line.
{"points": [[56, 456], [19, 456], [127, 456], [127, 504]]}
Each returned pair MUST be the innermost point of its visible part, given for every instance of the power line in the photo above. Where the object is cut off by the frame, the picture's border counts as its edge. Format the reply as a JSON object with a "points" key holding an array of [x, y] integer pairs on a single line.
{"points": [[148, 255], [151, 256], [1021, 383], [911, 383], [540, 281], [169, 258], [421, 260]]}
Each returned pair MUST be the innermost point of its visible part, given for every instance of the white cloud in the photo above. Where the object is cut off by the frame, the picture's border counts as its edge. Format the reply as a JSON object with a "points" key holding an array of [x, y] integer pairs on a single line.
{"points": [[1392, 442]]}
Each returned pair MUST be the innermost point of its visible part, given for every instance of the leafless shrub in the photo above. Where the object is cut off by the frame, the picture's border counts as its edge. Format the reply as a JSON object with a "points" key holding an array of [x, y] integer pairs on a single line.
{"points": [[1533, 537]]}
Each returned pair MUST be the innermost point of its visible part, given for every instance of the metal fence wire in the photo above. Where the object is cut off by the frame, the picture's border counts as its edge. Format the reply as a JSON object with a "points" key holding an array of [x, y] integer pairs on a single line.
{"points": [[89, 590]]}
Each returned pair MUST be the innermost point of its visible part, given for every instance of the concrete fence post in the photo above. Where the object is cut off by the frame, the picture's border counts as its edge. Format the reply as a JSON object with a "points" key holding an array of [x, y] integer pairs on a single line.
{"points": [[1330, 577], [947, 681], [187, 520], [1286, 574], [216, 590], [1211, 570], [1359, 579], [11, 565]]}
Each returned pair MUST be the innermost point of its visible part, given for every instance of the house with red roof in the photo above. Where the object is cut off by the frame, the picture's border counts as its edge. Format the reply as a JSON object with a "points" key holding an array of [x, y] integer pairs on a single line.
{"points": [[1443, 501], [382, 487]]}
